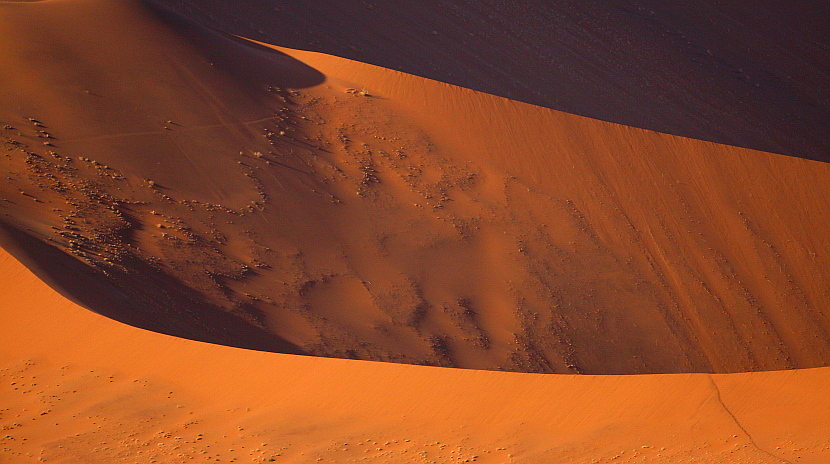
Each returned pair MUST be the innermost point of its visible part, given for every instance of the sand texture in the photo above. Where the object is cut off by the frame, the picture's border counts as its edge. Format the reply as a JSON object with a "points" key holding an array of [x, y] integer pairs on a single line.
{"points": [[748, 74], [206, 220], [79, 387]]}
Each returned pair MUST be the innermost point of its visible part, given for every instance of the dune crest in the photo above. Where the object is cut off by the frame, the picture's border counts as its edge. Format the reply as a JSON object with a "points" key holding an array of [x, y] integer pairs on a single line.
{"points": [[242, 194], [194, 225], [78, 387], [746, 74]]}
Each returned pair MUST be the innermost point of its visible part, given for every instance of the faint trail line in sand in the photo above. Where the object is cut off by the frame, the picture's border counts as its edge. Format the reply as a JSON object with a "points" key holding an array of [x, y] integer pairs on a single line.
{"points": [[211, 100], [162, 131], [215, 188], [735, 419]]}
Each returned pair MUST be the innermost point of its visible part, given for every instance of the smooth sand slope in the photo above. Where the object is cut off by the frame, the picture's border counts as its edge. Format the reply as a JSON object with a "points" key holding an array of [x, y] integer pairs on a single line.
{"points": [[78, 387], [212, 188]]}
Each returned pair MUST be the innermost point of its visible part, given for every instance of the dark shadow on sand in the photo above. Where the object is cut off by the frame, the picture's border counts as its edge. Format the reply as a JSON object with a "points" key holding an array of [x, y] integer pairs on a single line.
{"points": [[733, 72], [142, 297]]}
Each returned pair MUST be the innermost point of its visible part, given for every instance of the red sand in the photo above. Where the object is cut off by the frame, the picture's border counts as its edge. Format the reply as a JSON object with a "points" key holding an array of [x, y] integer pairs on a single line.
{"points": [[423, 223], [78, 387], [219, 190]]}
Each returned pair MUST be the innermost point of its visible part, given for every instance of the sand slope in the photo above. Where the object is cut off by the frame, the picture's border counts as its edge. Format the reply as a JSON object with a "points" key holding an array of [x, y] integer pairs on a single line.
{"points": [[78, 387], [209, 187], [749, 74]]}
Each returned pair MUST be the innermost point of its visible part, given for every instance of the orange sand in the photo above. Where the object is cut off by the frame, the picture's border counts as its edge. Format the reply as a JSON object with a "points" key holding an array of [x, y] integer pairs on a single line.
{"points": [[223, 191], [208, 188], [78, 387]]}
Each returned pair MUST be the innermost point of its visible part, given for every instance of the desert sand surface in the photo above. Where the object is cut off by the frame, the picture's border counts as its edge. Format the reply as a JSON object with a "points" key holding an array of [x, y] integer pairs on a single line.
{"points": [[751, 74], [215, 216], [209, 187], [80, 387]]}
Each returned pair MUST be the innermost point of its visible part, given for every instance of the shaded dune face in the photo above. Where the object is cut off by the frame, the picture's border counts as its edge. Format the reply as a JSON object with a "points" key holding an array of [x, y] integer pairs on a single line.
{"points": [[746, 74], [76, 387], [213, 188]]}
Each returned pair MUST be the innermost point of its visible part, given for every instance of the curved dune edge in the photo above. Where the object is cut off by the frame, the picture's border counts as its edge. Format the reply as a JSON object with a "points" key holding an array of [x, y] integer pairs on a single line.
{"points": [[722, 71], [229, 193], [78, 387]]}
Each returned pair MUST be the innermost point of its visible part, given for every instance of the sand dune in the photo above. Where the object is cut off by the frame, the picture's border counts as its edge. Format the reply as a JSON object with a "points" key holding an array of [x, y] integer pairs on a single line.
{"points": [[205, 186], [239, 215], [752, 74], [78, 387]]}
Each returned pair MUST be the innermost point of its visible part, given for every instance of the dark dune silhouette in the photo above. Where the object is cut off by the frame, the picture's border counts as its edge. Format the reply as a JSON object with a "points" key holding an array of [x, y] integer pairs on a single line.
{"points": [[752, 74]]}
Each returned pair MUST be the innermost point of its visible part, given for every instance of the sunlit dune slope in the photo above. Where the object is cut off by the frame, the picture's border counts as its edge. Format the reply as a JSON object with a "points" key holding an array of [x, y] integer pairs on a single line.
{"points": [[216, 189], [752, 74], [78, 387]]}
